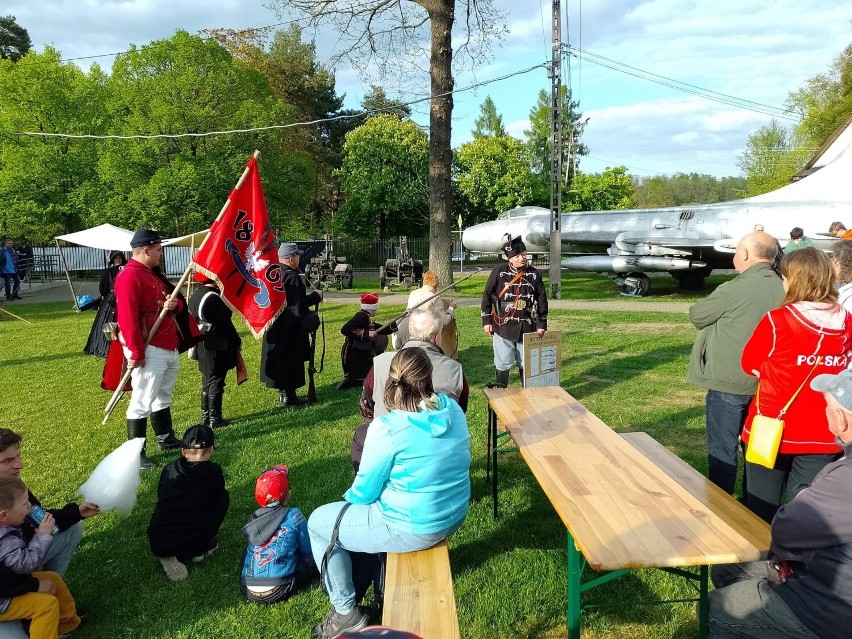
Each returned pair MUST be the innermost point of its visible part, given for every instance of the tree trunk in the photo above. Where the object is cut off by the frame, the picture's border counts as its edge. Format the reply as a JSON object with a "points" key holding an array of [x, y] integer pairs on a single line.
{"points": [[441, 14]]}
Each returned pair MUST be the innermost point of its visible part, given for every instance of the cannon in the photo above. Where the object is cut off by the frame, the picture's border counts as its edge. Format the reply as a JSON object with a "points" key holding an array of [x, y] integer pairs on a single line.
{"points": [[328, 270], [401, 271]]}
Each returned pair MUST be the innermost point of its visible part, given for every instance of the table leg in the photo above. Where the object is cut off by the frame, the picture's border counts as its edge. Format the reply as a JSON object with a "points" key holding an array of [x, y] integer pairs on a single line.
{"points": [[575, 572], [494, 461], [488, 445], [703, 608]]}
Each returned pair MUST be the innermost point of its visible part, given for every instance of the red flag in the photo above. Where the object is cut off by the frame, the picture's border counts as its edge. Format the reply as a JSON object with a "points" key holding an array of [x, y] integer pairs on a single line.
{"points": [[241, 255]]}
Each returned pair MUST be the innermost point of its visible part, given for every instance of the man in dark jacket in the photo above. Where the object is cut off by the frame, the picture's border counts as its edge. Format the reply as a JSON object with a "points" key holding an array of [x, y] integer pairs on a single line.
{"points": [[68, 518], [285, 344], [805, 590], [725, 320], [514, 302]]}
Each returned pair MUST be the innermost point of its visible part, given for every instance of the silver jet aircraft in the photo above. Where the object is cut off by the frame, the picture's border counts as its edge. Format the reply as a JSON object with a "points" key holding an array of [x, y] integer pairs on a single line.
{"points": [[687, 242]]}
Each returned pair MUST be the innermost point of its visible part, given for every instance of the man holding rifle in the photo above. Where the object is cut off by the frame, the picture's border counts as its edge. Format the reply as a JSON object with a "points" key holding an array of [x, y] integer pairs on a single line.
{"points": [[285, 345], [140, 296]]}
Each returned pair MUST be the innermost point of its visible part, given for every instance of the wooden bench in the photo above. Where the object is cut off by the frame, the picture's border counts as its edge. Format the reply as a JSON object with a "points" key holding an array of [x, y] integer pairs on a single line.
{"points": [[419, 594], [626, 502]]}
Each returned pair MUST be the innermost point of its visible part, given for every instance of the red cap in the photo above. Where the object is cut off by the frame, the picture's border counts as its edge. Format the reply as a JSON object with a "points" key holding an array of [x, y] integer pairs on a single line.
{"points": [[370, 301], [272, 486]]}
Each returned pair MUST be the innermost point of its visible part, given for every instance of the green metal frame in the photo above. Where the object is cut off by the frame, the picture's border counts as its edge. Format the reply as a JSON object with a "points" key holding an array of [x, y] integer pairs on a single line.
{"points": [[576, 588]]}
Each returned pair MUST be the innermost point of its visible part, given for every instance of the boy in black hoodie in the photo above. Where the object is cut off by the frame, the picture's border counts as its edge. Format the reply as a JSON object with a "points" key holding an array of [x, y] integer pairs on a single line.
{"points": [[278, 561], [191, 505]]}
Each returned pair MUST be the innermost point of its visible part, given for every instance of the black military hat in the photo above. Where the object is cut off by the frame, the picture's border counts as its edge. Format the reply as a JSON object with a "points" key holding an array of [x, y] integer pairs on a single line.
{"points": [[145, 237], [514, 246]]}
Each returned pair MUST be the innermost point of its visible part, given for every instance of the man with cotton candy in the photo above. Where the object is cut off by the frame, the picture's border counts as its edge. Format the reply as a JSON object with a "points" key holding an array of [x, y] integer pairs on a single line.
{"points": [[68, 518]]}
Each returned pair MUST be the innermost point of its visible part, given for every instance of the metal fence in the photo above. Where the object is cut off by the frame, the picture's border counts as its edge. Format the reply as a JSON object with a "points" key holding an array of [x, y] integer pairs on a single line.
{"points": [[364, 255]]}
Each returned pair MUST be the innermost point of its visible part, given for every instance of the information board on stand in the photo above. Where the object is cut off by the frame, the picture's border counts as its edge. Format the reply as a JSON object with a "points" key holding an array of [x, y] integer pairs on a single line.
{"points": [[542, 358]]}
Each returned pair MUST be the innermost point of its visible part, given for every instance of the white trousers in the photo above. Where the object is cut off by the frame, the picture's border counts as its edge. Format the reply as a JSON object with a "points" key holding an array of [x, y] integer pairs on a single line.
{"points": [[153, 383]]}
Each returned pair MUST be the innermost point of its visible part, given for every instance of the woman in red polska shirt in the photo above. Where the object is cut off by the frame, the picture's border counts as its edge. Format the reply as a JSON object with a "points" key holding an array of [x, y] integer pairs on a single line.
{"points": [[811, 334]]}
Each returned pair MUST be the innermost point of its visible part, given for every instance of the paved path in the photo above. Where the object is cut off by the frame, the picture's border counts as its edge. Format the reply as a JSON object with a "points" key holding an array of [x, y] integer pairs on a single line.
{"points": [[58, 291]]}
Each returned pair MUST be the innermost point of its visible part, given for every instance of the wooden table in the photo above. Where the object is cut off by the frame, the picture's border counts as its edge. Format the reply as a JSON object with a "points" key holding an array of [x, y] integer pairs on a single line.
{"points": [[623, 509]]}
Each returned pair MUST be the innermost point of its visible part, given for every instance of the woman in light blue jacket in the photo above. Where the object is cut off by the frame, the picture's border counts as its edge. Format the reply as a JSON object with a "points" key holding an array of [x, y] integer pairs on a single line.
{"points": [[412, 489]]}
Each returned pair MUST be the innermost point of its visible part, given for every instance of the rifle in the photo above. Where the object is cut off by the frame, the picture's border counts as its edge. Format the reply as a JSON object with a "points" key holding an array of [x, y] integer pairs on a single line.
{"points": [[312, 369], [387, 327]]}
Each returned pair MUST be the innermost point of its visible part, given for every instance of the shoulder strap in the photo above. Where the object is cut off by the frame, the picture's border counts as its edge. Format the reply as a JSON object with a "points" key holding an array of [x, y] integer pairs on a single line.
{"points": [[331, 543], [798, 390], [201, 303]]}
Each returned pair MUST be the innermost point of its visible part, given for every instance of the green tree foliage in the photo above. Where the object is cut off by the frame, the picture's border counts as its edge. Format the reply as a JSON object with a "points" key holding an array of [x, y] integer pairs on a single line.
{"points": [[44, 181], [376, 101], [385, 180], [605, 191], [826, 102], [489, 123], [775, 154], [770, 159], [14, 39], [290, 65], [685, 188], [493, 175], [538, 141], [178, 185]]}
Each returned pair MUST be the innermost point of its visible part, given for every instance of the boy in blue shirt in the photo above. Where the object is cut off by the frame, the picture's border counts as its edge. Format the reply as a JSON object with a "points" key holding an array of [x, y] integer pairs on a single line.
{"points": [[278, 561]]}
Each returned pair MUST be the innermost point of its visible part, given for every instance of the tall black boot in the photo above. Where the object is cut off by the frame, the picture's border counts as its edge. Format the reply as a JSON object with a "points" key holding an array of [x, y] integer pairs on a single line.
{"points": [[215, 414], [136, 428], [501, 381], [521, 375], [205, 408], [288, 397], [161, 422]]}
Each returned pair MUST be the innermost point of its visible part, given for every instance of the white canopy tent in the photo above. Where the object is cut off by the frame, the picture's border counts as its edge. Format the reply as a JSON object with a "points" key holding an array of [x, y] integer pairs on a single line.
{"points": [[113, 238]]}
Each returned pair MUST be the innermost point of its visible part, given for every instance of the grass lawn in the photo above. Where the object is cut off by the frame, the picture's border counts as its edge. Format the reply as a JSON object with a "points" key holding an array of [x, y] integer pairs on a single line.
{"points": [[575, 286], [510, 575]]}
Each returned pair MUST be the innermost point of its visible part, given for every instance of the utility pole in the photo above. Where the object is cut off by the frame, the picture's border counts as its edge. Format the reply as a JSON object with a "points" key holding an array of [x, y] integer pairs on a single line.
{"points": [[555, 271]]}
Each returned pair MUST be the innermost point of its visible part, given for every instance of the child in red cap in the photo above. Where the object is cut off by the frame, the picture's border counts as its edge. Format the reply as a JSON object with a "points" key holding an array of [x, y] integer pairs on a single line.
{"points": [[278, 561]]}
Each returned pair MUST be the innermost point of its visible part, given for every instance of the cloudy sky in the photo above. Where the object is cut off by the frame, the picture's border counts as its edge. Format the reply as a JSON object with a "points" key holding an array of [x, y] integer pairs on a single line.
{"points": [[754, 50]]}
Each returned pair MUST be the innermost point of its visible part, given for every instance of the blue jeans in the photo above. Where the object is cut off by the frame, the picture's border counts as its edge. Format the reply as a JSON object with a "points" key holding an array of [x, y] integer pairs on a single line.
{"points": [[791, 473], [362, 530], [725, 414], [58, 556], [744, 605]]}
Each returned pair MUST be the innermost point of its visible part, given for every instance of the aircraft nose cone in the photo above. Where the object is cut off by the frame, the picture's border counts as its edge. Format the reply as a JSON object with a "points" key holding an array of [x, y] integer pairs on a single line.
{"points": [[475, 238]]}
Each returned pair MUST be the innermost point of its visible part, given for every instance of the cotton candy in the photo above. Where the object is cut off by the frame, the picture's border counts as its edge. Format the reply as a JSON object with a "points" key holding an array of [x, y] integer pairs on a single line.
{"points": [[113, 484]]}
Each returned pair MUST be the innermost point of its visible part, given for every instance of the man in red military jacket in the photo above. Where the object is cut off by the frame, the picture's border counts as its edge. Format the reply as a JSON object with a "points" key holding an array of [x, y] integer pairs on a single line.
{"points": [[140, 296]]}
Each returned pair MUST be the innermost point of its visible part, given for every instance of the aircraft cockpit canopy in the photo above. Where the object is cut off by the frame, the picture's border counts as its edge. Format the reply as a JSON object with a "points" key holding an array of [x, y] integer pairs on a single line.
{"points": [[520, 211]]}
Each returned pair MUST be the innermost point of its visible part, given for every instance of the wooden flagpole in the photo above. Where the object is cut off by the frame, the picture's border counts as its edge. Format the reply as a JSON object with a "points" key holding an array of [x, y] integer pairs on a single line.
{"points": [[119, 391]]}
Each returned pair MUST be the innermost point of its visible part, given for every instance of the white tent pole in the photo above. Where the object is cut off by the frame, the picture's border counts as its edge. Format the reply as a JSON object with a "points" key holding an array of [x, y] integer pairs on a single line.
{"points": [[67, 275]]}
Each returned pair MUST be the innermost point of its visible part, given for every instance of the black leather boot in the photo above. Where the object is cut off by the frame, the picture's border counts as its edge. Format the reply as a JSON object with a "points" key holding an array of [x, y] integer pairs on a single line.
{"points": [[289, 398], [521, 375], [501, 381], [161, 423], [136, 428], [205, 409], [215, 419]]}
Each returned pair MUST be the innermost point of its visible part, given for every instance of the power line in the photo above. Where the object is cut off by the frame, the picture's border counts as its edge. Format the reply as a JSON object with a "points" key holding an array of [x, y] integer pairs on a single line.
{"points": [[679, 85], [159, 43], [271, 127]]}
